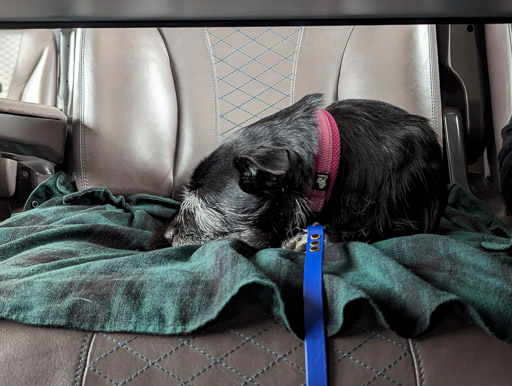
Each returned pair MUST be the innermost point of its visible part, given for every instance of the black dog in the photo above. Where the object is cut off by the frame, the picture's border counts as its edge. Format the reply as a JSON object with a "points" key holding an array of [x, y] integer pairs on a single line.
{"points": [[257, 185]]}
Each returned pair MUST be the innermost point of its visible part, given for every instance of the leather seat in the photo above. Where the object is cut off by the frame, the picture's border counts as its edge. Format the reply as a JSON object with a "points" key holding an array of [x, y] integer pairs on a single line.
{"points": [[29, 66], [148, 104], [28, 88], [499, 60], [191, 87]]}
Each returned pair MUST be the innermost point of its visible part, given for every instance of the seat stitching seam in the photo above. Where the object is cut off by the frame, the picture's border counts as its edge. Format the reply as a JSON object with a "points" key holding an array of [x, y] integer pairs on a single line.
{"points": [[433, 81], [374, 370], [341, 61], [377, 334], [216, 360], [295, 70], [111, 351], [509, 27], [81, 130], [274, 363], [419, 363], [277, 355], [103, 375], [213, 70], [414, 363], [220, 360], [78, 373], [235, 69], [150, 363], [254, 59], [344, 355], [392, 364]]}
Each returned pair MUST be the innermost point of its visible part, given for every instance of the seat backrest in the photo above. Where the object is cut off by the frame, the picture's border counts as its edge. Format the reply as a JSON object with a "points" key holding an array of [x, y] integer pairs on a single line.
{"points": [[149, 104], [499, 62], [28, 66]]}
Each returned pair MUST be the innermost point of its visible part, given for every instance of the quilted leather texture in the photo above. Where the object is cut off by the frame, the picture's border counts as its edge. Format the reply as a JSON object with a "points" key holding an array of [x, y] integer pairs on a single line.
{"points": [[246, 347], [254, 71], [367, 354], [10, 42]]}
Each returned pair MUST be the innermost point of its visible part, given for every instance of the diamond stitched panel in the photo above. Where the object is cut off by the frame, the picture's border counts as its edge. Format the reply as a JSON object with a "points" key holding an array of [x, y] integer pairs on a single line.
{"points": [[226, 353], [254, 72], [247, 347], [372, 356], [10, 42]]}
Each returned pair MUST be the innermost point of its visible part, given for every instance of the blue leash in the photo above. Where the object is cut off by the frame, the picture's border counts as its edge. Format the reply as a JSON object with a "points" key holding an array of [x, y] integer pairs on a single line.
{"points": [[316, 361]]}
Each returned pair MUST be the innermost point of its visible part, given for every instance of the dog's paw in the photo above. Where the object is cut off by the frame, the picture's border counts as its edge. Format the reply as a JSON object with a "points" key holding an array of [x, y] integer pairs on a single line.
{"points": [[159, 240], [300, 240], [296, 243]]}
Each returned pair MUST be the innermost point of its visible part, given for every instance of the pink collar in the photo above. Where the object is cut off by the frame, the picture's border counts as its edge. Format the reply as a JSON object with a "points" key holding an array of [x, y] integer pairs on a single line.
{"points": [[326, 160]]}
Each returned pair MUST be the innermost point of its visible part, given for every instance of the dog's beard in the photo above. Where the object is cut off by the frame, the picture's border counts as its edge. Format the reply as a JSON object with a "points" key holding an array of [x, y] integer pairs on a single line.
{"points": [[260, 225], [198, 222], [298, 221]]}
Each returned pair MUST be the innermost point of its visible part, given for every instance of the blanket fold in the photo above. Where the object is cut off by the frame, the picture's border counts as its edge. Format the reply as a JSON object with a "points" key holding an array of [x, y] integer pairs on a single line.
{"points": [[78, 260]]}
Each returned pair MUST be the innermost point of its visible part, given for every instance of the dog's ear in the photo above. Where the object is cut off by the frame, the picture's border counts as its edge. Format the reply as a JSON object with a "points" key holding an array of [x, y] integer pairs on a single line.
{"points": [[262, 169]]}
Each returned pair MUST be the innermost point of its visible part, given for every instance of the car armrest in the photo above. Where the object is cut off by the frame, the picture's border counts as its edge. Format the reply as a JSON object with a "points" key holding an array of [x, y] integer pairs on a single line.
{"points": [[30, 129]]}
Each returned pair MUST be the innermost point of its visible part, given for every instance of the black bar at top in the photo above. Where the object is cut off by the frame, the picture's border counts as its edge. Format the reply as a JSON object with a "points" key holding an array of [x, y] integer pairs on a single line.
{"points": [[180, 13]]}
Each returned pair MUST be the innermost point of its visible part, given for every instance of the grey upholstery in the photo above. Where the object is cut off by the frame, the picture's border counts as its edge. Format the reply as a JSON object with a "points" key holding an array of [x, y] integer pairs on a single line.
{"points": [[28, 96], [148, 104], [247, 347], [499, 60], [194, 86], [28, 70], [36, 130]]}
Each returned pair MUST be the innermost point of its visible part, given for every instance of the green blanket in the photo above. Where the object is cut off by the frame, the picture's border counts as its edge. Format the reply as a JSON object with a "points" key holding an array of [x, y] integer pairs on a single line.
{"points": [[78, 260]]}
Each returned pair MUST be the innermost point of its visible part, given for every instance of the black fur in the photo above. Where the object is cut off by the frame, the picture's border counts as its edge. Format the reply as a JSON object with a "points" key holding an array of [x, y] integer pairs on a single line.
{"points": [[255, 185]]}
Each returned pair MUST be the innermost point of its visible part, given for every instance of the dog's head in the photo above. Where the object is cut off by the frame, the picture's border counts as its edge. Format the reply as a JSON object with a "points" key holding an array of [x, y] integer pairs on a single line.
{"points": [[253, 186]]}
